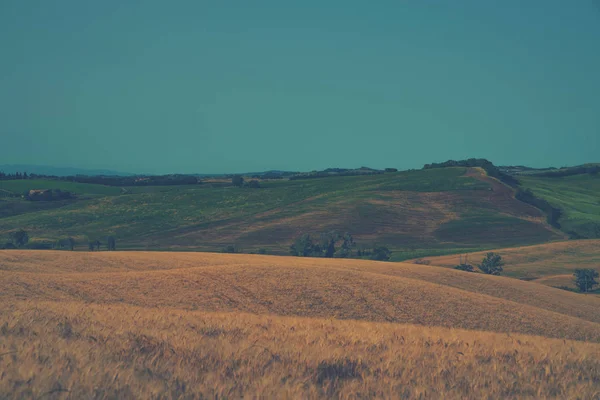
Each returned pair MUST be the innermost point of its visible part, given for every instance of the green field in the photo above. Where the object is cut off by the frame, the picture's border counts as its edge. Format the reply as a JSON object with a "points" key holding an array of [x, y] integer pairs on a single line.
{"points": [[416, 213], [21, 186], [578, 197]]}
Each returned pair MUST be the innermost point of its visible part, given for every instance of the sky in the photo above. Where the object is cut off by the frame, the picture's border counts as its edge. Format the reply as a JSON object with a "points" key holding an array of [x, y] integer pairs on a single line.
{"points": [[233, 86]]}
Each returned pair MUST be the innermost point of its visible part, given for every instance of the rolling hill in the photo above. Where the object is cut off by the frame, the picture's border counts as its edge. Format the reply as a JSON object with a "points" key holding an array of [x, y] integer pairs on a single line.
{"points": [[184, 325], [552, 264], [415, 213], [577, 196]]}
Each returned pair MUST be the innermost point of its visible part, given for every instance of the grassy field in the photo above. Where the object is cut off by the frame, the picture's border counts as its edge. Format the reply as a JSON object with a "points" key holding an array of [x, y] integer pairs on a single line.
{"points": [[413, 212], [22, 186], [578, 196], [189, 325], [552, 264]]}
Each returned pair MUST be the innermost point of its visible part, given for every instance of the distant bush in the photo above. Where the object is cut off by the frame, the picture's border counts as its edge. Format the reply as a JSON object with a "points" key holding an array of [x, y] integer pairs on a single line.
{"points": [[262, 251], [39, 246], [237, 180], [491, 264], [391, 170], [592, 170], [465, 267], [8, 246], [18, 238], [48, 195], [111, 243], [229, 249], [420, 261], [254, 184], [585, 279], [381, 253]]}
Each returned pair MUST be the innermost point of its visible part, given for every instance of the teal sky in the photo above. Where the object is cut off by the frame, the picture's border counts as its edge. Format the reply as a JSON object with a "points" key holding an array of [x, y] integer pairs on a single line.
{"points": [[226, 86]]}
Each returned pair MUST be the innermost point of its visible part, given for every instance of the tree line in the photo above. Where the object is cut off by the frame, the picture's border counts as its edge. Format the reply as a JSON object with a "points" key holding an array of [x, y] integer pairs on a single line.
{"points": [[19, 239], [336, 245]]}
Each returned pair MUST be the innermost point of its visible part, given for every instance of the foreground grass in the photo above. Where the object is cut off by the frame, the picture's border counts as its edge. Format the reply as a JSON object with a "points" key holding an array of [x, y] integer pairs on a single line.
{"points": [[74, 350], [301, 287]]}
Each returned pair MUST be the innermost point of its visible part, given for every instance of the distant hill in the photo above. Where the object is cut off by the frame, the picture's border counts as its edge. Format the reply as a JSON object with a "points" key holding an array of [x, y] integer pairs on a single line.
{"points": [[58, 171], [415, 213]]}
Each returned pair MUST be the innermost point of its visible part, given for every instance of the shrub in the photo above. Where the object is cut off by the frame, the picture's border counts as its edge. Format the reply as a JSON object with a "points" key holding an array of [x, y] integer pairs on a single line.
{"points": [[585, 279], [19, 238], [465, 267], [237, 180], [381, 253], [262, 251], [420, 261], [229, 249], [491, 264], [111, 243]]}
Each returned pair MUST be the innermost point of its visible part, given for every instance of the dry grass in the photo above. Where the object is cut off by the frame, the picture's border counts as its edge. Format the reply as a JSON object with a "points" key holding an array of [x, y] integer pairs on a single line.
{"points": [[535, 262], [75, 350], [197, 325]]}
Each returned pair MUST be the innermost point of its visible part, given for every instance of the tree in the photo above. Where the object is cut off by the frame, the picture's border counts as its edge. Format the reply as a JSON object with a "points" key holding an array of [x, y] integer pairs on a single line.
{"points": [[228, 249], [19, 238], [491, 264], [303, 246], [111, 243], [330, 251], [347, 247], [71, 243], [237, 180], [91, 246], [381, 253], [585, 279], [391, 170], [97, 243]]}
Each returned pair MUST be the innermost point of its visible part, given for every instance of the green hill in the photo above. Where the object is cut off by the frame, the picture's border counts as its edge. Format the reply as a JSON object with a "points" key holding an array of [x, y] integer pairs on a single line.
{"points": [[578, 198], [415, 213]]}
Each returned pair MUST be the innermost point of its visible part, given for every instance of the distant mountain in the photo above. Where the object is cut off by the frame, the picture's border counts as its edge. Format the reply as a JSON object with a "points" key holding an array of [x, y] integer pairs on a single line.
{"points": [[58, 171]]}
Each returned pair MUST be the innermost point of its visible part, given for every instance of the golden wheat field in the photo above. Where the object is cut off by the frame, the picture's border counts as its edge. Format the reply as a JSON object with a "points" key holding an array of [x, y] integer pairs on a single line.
{"points": [[149, 325]]}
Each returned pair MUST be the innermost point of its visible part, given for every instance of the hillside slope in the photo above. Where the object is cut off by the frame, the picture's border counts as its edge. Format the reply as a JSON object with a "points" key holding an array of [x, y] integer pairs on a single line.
{"points": [[577, 196], [413, 212], [344, 289]]}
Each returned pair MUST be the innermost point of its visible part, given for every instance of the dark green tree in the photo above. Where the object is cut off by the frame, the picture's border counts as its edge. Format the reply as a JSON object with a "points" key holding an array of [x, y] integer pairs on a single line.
{"points": [[71, 243], [91, 246], [229, 249], [19, 238], [381, 253], [585, 279], [111, 243], [491, 264], [97, 243], [237, 180], [254, 184], [303, 246], [347, 247]]}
